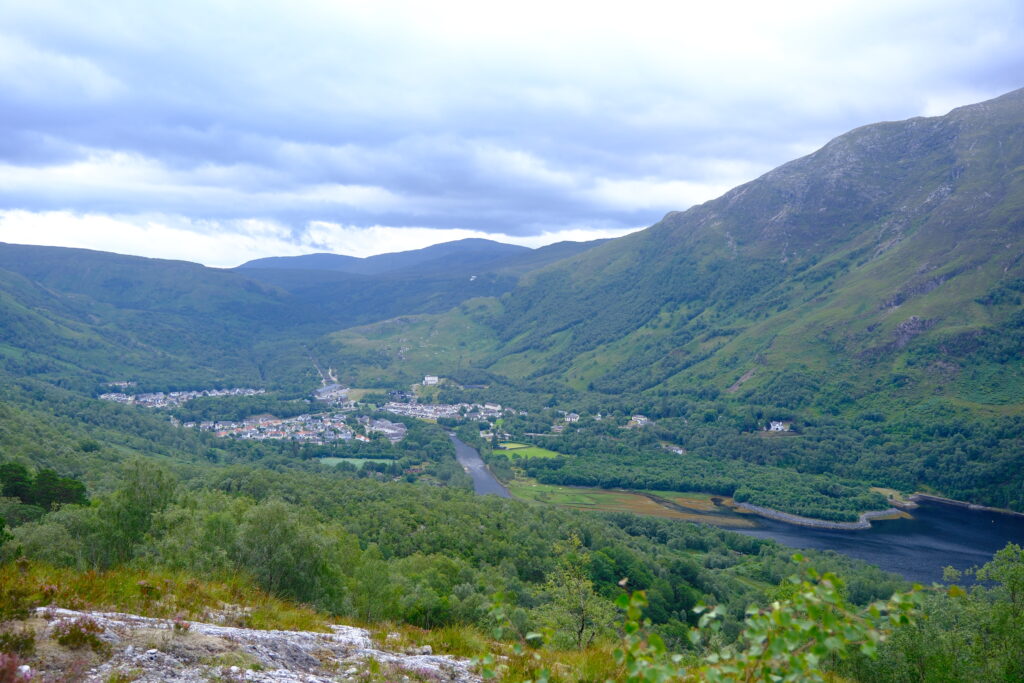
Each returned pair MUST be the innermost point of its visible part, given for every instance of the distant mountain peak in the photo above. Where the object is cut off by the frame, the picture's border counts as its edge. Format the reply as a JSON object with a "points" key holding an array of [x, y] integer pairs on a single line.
{"points": [[471, 249]]}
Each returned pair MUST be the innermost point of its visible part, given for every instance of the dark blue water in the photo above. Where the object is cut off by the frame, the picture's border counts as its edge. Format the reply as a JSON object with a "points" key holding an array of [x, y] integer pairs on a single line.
{"points": [[484, 483], [937, 536], [919, 548]]}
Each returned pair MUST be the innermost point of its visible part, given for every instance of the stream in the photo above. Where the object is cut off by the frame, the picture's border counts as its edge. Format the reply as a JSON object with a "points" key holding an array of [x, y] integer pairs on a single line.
{"points": [[484, 483]]}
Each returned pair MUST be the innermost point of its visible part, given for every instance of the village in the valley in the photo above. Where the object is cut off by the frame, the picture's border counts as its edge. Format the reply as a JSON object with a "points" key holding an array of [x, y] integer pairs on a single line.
{"points": [[320, 428], [340, 423], [170, 399]]}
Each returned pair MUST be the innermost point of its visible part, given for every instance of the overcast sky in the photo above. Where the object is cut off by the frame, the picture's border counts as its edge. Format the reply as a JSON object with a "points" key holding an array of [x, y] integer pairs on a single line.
{"points": [[223, 131]]}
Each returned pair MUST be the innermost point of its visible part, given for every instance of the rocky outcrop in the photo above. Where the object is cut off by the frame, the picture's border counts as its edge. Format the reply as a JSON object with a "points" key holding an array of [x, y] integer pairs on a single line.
{"points": [[149, 650], [910, 328]]}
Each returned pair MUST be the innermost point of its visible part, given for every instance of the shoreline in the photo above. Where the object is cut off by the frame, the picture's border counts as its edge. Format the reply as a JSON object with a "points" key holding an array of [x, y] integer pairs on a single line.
{"points": [[897, 510], [863, 522], [927, 497]]}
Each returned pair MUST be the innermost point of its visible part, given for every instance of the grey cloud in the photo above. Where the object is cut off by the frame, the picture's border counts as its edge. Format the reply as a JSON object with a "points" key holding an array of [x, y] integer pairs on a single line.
{"points": [[251, 113]]}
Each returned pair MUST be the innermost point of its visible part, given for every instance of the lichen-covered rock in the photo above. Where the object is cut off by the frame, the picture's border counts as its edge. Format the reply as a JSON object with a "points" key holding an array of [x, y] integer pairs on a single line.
{"points": [[150, 650]]}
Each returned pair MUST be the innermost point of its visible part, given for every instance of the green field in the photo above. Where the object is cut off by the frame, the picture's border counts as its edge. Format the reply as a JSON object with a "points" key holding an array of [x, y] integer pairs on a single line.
{"points": [[358, 462], [355, 394], [524, 450], [695, 501], [604, 500]]}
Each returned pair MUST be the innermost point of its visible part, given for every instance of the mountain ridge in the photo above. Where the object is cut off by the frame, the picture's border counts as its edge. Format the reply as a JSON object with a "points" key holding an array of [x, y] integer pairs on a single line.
{"points": [[471, 249], [872, 289], [870, 292]]}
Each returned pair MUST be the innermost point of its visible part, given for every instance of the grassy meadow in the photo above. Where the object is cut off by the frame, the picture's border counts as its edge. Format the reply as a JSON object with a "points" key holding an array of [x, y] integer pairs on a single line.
{"points": [[698, 507], [523, 450]]}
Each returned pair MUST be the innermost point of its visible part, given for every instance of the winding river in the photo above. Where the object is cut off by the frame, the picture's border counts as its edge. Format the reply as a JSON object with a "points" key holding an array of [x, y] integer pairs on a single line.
{"points": [[484, 483]]}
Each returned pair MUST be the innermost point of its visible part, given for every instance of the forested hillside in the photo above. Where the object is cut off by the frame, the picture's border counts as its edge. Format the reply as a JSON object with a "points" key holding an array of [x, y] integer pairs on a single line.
{"points": [[352, 543], [894, 249], [178, 524], [871, 293], [80, 318], [866, 297]]}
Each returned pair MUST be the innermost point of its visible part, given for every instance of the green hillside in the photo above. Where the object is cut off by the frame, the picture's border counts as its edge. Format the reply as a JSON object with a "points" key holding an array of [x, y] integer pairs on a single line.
{"points": [[868, 296], [895, 245], [871, 290], [80, 317]]}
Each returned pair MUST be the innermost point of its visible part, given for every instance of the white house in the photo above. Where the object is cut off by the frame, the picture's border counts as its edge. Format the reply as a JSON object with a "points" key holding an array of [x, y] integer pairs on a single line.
{"points": [[776, 426], [572, 417], [429, 380]]}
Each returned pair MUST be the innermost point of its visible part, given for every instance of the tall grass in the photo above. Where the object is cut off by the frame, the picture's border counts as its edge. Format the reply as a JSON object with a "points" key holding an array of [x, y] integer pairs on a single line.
{"points": [[152, 593]]}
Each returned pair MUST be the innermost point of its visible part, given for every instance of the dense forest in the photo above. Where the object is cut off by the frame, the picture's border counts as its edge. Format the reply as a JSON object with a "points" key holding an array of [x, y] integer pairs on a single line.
{"points": [[931, 446], [443, 551], [431, 556], [866, 297]]}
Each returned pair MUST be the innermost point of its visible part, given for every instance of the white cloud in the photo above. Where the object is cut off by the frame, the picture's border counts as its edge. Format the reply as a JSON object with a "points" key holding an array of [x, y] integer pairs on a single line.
{"points": [[212, 243], [29, 72], [140, 180], [518, 166], [652, 193], [227, 244], [531, 118]]}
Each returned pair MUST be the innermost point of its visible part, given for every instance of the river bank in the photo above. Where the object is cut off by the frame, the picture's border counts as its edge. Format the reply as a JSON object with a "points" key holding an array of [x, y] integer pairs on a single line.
{"points": [[918, 497], [897, 511], [917, 547], [484, 481], [863, 522]]}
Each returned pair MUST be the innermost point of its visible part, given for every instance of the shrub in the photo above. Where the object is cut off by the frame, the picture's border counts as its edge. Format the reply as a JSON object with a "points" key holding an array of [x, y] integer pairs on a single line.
{"points": [[179, 625], [81, 633], [14, 603], [21, 642]]}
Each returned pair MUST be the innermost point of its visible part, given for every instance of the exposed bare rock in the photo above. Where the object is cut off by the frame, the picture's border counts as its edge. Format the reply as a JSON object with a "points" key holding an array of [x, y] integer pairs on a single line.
{"points": [[910, 328], [917, 288], [152, 650]]}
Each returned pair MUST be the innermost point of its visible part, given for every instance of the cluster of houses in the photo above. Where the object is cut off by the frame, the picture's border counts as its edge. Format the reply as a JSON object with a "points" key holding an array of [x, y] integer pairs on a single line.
{"points": [[316, 429], [433, 411], [394, 431], [173, 398]]}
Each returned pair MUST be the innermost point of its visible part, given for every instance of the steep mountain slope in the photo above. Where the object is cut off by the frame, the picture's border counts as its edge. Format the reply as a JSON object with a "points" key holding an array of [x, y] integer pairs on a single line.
{"points": [[897, 249], [81, 317], [871, 293]]}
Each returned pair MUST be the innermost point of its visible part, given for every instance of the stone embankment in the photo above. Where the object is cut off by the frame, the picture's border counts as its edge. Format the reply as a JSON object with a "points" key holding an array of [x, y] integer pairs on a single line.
{"points": [[149, 650], [917, 497], [864, 522]]}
